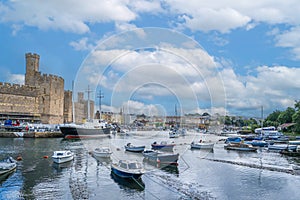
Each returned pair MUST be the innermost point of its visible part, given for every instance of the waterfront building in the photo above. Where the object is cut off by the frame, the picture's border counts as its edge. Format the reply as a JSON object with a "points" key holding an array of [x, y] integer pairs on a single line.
{"points": [[42, 98]]}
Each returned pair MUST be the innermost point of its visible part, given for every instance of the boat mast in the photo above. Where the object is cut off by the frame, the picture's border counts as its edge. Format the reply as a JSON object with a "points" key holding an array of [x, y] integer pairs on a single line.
{"points": [[100, 96], [73, 103], [88, 106]]}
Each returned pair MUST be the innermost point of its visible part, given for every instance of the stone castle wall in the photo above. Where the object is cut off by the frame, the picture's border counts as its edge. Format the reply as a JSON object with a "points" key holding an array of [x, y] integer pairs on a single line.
{"points": [[18, 100], [42, 98], [51, 101], [16, 89]]}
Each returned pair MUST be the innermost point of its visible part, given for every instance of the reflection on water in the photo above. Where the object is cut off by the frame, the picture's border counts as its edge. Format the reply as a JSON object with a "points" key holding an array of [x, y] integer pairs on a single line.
{"points": [[131, 183], [87, 177], [171, 168], [4, 177], [62, 166]]}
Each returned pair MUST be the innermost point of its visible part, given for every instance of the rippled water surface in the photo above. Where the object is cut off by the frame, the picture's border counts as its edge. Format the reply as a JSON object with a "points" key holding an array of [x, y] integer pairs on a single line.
{"points": [[220, 174]]}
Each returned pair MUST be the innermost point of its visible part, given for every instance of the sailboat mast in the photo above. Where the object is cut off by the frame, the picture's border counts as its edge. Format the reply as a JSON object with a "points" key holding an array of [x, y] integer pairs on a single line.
{"points": [[100, 96], [88, 106], [73, 103]]}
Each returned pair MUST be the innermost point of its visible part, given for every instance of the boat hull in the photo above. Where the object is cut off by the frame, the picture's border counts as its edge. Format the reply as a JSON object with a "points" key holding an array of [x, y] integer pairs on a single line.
{"points": [[280, 147], [123, 174], [102, 153], [162, 158], [206, 146], [258, 143], [78, 132], [136, 149], [62, 160], [62, 157], [12, 168], [240, 147], [163, 147]]}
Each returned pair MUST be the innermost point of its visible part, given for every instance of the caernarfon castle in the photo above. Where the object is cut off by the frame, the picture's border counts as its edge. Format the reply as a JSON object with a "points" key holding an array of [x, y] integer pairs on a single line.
{"points": [[41, 99]]}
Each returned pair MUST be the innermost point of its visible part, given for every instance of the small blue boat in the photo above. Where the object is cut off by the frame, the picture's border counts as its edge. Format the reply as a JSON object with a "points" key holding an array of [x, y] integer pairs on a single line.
{"points": [[128, 169], [163, 146], [233, 140], [258, 143]]}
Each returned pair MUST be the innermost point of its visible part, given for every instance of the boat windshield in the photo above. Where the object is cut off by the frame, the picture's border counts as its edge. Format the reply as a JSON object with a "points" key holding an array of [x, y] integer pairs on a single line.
{"points": [[123, 165], [60, 154], [134, 166]]}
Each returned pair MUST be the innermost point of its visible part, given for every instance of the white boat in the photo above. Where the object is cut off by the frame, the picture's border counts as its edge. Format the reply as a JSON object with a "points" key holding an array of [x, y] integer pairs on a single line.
{"points": [[240, 147], [163, 146], [62, 156], [132, 148], [202, 145], [174, 133], [103, 152], [7, 165], [128, 169], [280, 147], [161, 157]]}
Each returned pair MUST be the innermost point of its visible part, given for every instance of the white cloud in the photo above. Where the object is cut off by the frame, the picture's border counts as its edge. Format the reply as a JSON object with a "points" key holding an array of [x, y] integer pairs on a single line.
{"points": [[69, 16], [16, 78], [137, 107], [290, 39], [274, 88], [81, 44], [223, 20], [228, 15]]}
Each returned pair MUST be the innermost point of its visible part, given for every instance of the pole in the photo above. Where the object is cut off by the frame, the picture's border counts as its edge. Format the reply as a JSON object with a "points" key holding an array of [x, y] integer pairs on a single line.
{"points": [[88, 91], [262, 116], [73, 103], [100, 96]]}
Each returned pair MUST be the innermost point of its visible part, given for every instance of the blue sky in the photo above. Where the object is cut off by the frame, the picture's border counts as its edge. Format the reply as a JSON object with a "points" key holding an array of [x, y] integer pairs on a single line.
{"points": [[204, 56]]}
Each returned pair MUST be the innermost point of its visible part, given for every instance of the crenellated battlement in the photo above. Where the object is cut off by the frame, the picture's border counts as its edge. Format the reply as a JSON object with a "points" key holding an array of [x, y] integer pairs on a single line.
{"points": [[30, 55], [42, 95], [17, 89], [49, 78]]}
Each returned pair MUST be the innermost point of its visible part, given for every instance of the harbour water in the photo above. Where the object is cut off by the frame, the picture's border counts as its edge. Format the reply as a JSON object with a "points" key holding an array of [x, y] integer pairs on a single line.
{"points": [[221, 174]]}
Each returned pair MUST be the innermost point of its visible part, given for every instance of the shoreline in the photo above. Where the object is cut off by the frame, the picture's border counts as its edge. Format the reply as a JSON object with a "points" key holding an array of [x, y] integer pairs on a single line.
{"points": [[26, 134]]}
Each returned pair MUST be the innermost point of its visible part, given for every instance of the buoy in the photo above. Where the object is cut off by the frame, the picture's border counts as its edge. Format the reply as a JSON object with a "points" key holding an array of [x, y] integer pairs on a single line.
{"points": [[45, 156], [19, 158]]}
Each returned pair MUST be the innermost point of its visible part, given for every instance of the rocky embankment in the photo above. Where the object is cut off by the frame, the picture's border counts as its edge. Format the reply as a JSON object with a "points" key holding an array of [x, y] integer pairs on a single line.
{"points": [[7, 134]]}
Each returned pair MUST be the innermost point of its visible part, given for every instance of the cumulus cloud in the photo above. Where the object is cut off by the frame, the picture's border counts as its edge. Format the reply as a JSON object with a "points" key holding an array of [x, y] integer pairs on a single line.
{"points": [[16, 78], [69, 16], [81, 44], [272, 87], [290, 39], [158, 76], [136, 107]]}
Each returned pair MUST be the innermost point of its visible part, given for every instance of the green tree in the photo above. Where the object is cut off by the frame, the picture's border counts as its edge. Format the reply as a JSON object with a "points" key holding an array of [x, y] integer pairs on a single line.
{"points": [[286, 116], [227, 120], [273, 116], [296, 117]]}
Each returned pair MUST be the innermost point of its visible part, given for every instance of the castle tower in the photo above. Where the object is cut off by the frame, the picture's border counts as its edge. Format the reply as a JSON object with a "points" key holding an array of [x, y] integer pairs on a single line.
{"points": [[80, 97], [32, 67]]}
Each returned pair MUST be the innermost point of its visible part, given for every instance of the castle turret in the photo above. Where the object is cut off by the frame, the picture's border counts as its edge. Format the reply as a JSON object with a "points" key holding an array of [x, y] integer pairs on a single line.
{"points": [[32, 67]]}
